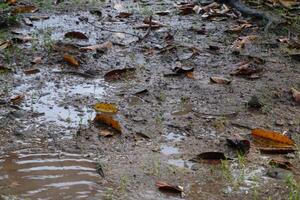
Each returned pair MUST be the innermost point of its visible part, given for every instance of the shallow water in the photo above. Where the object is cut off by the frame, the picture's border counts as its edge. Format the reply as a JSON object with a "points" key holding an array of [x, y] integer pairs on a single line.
{"points": [[48, 176]]}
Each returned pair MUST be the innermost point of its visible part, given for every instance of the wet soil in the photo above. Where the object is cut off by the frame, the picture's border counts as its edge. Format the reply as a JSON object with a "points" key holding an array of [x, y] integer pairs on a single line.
{"points": [[51, 149]]}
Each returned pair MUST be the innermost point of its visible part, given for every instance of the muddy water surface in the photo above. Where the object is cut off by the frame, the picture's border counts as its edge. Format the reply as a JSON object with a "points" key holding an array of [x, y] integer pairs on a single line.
{"points": [[45, 175]]}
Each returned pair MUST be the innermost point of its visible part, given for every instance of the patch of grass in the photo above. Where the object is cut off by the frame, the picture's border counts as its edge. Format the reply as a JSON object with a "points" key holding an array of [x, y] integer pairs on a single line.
{"points": [[123, 184], [294, 188], [226, 171]]}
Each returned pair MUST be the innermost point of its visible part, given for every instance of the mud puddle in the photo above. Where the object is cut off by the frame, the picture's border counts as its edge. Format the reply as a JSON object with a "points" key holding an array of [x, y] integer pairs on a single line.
{"points": [[54, 101], [44, 175]]}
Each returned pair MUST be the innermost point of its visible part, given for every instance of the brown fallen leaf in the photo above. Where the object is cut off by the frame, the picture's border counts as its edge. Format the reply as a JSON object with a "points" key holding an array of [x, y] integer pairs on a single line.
{"points": [[187, 9], [117, 74], [281, 163], [241, 42], [210, 157], [5, 44], [249, 69], [17, 99], [296, 95], [105, 46], [272, 135], [71, 60], [239, 28], [76, 35], [289, 3], [31, 71], [124, 14], [108, 120], [25, 9], [37, 60], [220, 80], [283, 150], [168, 187], [106, 133]]}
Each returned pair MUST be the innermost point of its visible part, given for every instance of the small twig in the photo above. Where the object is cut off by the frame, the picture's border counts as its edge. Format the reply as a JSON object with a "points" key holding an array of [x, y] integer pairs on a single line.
{"points": [[149, 29], [115, 31]]}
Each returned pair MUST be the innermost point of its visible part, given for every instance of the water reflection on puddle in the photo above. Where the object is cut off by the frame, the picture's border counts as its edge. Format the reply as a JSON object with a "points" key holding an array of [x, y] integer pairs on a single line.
{"points": [[49, 101], [44, 176], [181, 163], [169, 150]]}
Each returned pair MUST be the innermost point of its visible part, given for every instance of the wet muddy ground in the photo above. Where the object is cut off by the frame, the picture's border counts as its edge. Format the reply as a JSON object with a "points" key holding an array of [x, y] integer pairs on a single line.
{"points": [[50, 147]]}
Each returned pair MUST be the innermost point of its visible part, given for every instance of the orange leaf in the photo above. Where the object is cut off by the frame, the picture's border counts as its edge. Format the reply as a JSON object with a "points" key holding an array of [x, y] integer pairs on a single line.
{"points": [[108, 120], [275, 136], [71, 60]]}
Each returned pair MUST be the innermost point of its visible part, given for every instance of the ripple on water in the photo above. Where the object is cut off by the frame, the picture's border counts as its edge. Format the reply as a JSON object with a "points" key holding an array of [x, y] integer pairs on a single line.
{"points": [[44, 175]]}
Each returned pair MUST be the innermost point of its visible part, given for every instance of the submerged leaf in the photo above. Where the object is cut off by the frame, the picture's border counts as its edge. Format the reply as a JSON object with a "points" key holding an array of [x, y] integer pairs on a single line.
{"points": [[210, 157], [117, 74]]}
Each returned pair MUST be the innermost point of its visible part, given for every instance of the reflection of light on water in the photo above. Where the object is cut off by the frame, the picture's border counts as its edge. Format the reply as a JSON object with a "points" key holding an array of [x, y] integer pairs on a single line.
{"points": [[48, 174], [174, 137], [181, 163], [45, 101], [169, 150]]}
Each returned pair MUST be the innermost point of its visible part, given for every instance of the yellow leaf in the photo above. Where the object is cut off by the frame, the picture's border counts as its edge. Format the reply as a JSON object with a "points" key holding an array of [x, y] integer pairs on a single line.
{"points": [[106, 108]]}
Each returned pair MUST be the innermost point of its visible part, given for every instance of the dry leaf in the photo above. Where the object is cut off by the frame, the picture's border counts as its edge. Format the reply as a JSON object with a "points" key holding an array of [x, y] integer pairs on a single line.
{"points": [[168, 187], [106, 108], [71, 60], [272, 135], [108, 120], [241, 42], [31, 71], [76, 35], [117, 74], [239, 28], [24, 9], [220, 80], [289, 3], [124, 14], [281, 163], [296, 95], [106, 133], [17, 99], [106, 45], [37, 60], [4, 44]]}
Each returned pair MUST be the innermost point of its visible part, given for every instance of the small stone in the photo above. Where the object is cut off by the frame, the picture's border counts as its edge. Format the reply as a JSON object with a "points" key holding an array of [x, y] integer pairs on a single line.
{"points": [[195, 167], [290, 156], [278, 173], [279, 122]]}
